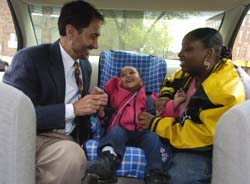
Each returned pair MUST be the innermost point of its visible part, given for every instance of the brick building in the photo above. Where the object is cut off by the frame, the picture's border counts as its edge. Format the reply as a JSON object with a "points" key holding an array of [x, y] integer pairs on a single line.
{"points": [[8, 40], [241, 50]]}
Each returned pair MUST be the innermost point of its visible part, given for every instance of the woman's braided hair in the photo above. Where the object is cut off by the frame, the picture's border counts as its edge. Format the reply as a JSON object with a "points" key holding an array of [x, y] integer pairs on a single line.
{"points": [[211, 38]]}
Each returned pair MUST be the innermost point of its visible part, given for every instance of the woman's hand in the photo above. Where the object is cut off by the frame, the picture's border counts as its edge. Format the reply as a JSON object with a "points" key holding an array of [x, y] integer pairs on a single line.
{"points": [[145, 119], [160, 104]]}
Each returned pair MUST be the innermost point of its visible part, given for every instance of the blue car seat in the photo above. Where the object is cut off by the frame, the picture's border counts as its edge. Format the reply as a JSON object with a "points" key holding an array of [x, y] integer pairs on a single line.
{"points": [[152, 70]]}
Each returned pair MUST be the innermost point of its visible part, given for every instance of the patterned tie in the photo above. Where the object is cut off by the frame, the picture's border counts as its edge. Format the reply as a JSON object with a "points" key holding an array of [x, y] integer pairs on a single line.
{"points": [[80, 94], [78, 79]]}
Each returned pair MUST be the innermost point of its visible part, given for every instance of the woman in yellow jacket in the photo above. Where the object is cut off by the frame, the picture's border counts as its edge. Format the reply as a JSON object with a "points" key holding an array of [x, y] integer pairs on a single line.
{"points": [[212, 84]]}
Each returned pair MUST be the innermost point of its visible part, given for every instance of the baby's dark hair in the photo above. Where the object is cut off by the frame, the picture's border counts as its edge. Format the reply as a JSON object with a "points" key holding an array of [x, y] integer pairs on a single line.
{"points": [[119, 73], [210, 38]]}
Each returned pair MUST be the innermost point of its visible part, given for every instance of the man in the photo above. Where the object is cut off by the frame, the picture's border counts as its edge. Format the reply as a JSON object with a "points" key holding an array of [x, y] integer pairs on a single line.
{"points": [[46, 73]]}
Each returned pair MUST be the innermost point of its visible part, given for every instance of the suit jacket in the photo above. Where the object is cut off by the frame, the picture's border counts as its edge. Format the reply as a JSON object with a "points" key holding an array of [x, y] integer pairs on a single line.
{"points": [[39, 72]]}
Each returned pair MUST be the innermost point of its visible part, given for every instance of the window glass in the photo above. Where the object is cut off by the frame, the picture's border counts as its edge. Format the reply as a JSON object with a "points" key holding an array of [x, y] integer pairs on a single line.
{"points": [[241, 47], [8, 39], [150, 32]]}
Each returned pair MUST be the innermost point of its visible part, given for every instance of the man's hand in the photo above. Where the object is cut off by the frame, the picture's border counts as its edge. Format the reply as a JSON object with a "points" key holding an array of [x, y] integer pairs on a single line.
{"points": [[145, 119], [96, 91], [103, 95], [91, 103]]}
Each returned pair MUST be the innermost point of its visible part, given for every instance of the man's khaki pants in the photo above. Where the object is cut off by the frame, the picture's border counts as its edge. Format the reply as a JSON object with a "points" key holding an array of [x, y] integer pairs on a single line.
{"points": [[59, 160]]}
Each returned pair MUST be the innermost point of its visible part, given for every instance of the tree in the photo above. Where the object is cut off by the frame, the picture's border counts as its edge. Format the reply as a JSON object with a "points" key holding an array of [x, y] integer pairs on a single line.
{"points": [[139, 31], [149, 37]]}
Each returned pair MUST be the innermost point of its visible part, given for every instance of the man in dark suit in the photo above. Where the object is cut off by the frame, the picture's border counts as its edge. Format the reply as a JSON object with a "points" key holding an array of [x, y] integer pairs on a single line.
{"points": [[46, 73]]}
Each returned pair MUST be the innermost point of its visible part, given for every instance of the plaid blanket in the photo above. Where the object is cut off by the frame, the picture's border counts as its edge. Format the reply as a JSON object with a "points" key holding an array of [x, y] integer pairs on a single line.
{"points": [[133, 163]]}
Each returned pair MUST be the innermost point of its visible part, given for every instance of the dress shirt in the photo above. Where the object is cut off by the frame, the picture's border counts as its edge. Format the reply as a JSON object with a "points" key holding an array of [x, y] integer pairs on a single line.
{"points": [[71, 90]]}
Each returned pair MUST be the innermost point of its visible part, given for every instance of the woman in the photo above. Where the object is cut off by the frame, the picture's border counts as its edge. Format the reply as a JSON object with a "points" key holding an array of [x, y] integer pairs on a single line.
{"points": [[212, 84]]}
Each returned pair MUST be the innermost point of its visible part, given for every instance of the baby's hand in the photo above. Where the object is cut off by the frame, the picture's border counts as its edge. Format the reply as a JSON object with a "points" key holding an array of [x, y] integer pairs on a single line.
{"points": [[179, 97], [101, 112]]}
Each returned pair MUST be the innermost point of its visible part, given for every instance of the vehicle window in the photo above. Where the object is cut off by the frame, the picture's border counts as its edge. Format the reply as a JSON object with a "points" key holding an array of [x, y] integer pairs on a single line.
{"points": [[8, 39], [241, 47], [150, 32]]}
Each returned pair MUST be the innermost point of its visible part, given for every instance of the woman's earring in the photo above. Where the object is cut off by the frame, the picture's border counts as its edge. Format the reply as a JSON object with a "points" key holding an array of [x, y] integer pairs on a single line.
{"points": [[206, 64]]}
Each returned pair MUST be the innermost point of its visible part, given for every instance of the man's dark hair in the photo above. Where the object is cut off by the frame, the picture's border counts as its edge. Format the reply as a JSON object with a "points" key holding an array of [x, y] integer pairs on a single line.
{"points": [[78, 14]]}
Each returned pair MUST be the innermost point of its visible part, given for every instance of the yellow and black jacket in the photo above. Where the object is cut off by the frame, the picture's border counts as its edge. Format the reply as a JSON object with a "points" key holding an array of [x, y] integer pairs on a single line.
{"points": [[226, 86]]}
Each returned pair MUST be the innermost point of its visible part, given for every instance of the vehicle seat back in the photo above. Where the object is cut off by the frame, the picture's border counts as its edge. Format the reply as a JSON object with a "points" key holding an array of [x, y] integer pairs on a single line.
{"points": [[231, 153], [17, 137]]}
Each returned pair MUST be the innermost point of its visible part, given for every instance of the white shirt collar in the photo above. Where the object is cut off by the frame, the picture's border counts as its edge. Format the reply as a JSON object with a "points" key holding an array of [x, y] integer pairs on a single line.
{"points": [[68, 61]]}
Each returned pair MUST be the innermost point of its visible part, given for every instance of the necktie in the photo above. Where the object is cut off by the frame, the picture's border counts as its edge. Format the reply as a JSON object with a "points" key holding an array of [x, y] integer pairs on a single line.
{"points": [[80, 87], [78, 79]]}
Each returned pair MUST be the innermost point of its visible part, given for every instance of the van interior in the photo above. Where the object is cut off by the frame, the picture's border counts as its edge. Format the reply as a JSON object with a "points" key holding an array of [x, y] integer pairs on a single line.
{"points": [[141, 26]]}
